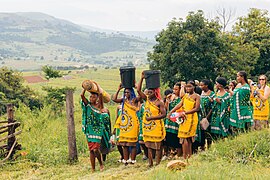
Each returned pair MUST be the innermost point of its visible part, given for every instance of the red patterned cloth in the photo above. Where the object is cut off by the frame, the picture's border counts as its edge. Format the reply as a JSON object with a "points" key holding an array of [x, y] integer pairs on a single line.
{"points": [[93, 145], [157, 93]]}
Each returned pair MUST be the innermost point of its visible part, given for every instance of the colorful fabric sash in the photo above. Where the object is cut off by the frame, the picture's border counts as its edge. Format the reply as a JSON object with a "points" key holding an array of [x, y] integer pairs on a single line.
{"points": [[220, 116], [205, 107], [95, 124], [128, 123], [261, 109], [154, 130], [241, 108], [171, 126], [188, 127]]}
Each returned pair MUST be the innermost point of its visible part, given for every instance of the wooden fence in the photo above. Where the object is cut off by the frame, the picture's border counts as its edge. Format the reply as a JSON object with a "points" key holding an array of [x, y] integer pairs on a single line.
{"points": [[8, 133]]}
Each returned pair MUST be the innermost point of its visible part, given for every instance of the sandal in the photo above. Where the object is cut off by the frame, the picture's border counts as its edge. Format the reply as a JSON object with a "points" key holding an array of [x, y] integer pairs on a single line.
{"points": [[133, 161]]}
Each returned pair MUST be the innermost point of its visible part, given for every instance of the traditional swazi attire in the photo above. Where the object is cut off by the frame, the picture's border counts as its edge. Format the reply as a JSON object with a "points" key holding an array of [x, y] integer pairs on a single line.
{"points": [[188, 128], [105, 145], [140, 117], [205, 107], [153, 130], [116, 126], [172, 127], [241, 109], [95, 126], [261, 109], [128, 124], [220, 116]]}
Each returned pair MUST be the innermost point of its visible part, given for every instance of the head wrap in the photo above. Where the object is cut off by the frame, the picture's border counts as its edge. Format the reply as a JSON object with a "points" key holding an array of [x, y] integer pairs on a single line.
{"points": [[132, 96], [157, 93]]}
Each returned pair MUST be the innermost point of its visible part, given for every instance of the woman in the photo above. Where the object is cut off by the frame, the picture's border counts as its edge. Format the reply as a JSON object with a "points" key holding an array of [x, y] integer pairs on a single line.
{"points": [[240, 110], [171, 127], [232, 86], [128, 123], [153, 125], [206, 101], [94, 120], [260, 103], [220, 113], [190, 105]]}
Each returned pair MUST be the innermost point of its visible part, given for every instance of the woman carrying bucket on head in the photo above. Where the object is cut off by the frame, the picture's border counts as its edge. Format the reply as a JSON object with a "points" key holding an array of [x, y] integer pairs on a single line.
{"points": [[154, 112], [127, 121]]}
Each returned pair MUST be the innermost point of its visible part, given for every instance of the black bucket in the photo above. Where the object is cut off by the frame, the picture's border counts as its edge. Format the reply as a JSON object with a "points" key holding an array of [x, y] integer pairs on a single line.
{"points": [[127, 74], [152, 78]]}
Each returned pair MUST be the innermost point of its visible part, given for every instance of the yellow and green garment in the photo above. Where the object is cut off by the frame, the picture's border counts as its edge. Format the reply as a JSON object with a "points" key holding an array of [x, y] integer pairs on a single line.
{"points": [[95, 125], [154, 130], [261, 109], [205, 107], [241, 109], [140, 117], [220, 116], [128, 124], [188, 127], [171, 126]]}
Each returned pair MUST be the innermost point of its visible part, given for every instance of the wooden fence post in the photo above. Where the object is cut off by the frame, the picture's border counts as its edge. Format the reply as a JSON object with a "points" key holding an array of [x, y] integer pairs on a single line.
{"points": [[72, 148], [11, 129]]}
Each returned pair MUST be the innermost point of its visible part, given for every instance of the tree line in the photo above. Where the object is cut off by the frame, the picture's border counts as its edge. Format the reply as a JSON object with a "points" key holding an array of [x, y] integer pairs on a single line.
{"points": [[200, 48]]}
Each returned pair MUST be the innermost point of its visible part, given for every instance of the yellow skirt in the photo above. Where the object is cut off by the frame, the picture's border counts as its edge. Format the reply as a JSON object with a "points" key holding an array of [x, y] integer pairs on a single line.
{"points": [[188, 127]]}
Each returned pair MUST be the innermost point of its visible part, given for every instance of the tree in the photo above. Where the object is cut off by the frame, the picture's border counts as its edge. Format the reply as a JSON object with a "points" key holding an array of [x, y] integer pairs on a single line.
{"points": [[254, 29], [240, 57], [13, 91], [193, 49], [50, 72], [225, 17], [56, 97]]}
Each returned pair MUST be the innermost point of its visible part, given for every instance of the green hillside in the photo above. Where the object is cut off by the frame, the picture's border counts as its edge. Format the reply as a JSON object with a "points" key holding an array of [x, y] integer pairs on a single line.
{"points": [[42, 39]]}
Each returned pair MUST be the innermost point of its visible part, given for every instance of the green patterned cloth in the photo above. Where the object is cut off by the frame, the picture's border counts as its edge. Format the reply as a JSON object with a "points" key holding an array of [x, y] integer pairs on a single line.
{"points": [[241, 109], [95, 125], [171, 126], [117, 130], [205, 107], [220, 116], [140, 117]]}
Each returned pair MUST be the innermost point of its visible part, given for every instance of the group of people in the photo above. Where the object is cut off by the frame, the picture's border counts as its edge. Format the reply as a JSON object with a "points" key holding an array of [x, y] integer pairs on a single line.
{"points": [[144, 121]]}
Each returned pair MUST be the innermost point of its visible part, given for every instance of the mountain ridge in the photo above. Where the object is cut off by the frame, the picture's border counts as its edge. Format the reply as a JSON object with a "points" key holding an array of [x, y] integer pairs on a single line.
{"points": [[38, 36]]}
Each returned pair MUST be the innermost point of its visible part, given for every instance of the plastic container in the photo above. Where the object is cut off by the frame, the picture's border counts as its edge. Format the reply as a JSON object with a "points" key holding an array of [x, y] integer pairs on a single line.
{"points": [[127, 74], [175, 117], [152, 78], [91, 86]]}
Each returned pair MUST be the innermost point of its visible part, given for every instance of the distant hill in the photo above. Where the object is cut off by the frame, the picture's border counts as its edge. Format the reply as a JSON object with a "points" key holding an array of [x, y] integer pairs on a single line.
{"points": [[37, 36], [141, 34]]}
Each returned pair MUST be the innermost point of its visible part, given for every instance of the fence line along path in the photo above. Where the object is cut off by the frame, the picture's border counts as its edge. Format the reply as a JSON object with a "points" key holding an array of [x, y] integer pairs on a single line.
{"points": [[8, 133]]}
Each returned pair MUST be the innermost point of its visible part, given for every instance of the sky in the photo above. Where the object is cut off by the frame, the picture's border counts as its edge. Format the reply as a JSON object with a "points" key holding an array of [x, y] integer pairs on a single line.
{"points": [[129, 15]]}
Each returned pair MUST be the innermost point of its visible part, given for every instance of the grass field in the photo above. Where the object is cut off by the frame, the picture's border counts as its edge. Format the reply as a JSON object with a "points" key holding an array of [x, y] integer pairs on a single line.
{"points": [[45, 149]]}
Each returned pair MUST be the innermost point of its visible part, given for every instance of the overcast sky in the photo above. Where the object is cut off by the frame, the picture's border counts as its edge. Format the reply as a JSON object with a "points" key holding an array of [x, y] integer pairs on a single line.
{"points": [[131, 15]]}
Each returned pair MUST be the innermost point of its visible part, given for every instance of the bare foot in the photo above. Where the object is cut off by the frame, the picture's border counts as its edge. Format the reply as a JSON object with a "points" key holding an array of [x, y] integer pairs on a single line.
{"points": [[102, 167], [92, 170]]}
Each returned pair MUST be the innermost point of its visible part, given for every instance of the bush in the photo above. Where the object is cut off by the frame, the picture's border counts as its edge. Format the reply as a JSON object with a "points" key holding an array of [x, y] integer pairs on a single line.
{"points": [[13, 91]]}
